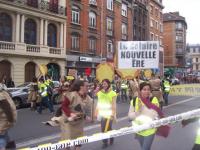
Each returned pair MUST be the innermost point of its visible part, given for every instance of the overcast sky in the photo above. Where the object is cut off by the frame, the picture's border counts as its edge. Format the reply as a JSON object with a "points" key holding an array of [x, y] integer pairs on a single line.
{"points": [[190, 9]]}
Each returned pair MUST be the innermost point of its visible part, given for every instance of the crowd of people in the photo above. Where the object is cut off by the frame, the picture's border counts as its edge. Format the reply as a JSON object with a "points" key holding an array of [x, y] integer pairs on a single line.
{"points": [[77, 104]]}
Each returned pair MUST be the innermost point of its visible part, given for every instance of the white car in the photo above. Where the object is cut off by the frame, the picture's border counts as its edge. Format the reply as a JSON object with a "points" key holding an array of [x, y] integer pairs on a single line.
{"points": [[20, 93], [175, 81]]}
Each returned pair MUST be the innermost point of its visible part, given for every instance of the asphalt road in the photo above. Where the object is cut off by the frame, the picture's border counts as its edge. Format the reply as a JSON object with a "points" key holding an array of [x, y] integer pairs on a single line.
{"points": [[29, 131]]}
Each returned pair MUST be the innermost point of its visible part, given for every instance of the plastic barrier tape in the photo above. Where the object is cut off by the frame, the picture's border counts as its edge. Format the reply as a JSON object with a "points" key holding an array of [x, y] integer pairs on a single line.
{"points": [[185, 90], [116, 133]]}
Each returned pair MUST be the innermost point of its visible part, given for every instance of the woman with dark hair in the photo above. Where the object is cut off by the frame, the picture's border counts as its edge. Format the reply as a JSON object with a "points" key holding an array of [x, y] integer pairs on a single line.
{"points": [[144, 109], [106, 109], [76, 107]]}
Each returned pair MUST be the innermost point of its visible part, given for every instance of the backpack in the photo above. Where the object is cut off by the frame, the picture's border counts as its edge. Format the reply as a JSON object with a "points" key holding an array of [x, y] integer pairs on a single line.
{"points": [[134, 100]]}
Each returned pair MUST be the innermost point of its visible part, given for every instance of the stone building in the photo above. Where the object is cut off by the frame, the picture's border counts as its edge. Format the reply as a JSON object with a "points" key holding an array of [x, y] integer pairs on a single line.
{"points": [[31, 35]]}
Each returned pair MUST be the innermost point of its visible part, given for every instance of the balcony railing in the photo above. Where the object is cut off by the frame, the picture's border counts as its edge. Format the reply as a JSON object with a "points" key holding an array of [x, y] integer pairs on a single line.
{"points": [[31, 50], [53, 50], [40, 4], [7, 46]]}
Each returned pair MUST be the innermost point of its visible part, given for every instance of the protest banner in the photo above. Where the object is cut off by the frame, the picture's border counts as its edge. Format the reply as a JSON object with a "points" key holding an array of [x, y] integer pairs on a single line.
{"points": [[138, 54]]}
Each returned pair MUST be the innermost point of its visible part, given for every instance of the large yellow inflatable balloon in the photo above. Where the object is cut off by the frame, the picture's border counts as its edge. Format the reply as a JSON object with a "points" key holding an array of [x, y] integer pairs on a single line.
{"points": [[148, 73], [105, 71], [128, 73], [43, 69]]}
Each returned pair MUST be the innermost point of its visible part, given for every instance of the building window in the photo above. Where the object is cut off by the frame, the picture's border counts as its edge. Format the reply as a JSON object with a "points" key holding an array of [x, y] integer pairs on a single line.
{"points": [[30, 32], [124, 10], [93, 2], [75, 15], [161, 28], [92, 19], [161, 16], [92, 44], [151, 23], [109, 26], [156, 12], [191, 49], [151, 9], [135, 31], [161, 41], [179, 25], [156, 25], [32, 3], [52, 35], [5, 27], [197, 49], [110, 4], [194, 51], [197, 59], [110, 46], [110, 49], [179, 48], [179, 37], [124, 31], [53, 6], [75, 42], [152, 37], [197, 67]]}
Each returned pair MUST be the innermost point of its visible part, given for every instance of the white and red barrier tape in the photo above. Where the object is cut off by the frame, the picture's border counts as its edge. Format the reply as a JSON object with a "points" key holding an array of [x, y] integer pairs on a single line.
{"points": [[116, 133]]}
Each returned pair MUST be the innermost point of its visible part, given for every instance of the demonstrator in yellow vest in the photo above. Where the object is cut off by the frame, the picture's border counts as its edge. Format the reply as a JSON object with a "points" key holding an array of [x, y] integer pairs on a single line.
{"points": [[166, 89], [106, 109], [140, 113], [196, 145], [44, 97]]}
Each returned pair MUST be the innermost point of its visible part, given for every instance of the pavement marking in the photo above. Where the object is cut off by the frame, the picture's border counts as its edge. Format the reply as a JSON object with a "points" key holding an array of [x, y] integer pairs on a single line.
{"points": [[57, 135]]}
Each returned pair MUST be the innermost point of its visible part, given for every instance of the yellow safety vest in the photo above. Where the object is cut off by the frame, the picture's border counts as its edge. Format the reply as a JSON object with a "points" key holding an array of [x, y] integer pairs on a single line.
{"points": [[140, 120], [167, 86], [197, 139], [43, 90], [104, 104]]}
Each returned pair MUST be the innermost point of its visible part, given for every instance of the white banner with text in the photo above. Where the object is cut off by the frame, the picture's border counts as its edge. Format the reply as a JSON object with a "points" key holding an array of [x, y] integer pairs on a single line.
{"points": [[138, 54]]}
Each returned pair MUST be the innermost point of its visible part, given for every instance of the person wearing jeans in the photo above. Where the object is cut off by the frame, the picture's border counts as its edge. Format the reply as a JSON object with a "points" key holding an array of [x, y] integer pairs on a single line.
{"points": [[44, 97], [106, 109], [144, 109]]}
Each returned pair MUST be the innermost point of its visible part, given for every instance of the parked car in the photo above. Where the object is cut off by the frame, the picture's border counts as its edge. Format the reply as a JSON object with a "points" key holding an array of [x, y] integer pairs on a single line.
{"points": [[20, 93], [175, 81]]}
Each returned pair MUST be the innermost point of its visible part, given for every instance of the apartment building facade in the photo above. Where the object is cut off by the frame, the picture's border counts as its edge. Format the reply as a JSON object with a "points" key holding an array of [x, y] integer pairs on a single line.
{"points": [[83, 35], [31, 35], [140, 20], [117, 26], [193, 58], [93, 29], [175, 27], [156, 28]]}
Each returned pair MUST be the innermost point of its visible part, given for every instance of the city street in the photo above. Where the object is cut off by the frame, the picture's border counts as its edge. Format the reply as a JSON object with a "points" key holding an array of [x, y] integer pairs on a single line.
{"points": [[29, 131]]}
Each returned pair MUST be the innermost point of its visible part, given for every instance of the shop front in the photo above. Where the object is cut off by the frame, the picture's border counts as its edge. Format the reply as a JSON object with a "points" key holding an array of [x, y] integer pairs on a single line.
{"points": [[85, 66]]}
